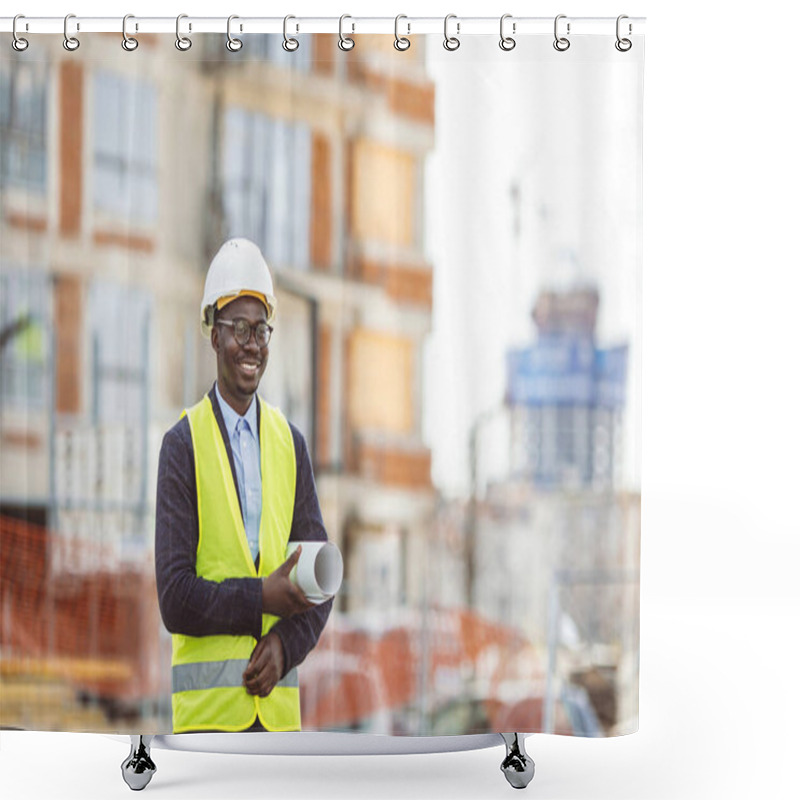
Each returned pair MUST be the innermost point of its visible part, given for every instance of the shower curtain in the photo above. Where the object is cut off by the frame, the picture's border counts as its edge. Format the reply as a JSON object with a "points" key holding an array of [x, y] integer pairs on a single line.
{"points": [[454, 238]]}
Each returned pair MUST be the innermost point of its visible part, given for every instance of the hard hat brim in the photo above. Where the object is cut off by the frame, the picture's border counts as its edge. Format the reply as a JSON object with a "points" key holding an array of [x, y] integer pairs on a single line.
{"points": [[207, 316]]}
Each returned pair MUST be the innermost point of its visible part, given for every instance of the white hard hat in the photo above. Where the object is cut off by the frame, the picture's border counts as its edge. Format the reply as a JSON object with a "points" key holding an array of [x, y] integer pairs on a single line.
{"points": [[238, 267]]}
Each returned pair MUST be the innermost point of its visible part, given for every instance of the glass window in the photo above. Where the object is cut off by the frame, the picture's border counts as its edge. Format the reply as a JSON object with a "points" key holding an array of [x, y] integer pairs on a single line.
{"points": [[23, 337], [119, 324], [125, 178], [291, 365], [267, 185], [268, 47], [23, 118]]}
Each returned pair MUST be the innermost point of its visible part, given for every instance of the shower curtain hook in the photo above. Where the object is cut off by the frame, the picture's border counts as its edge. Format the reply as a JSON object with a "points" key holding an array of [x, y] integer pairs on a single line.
{"points": [[506, 42], [18, 43], [290, 44], [183, 43], [451, 42], [400, 42], [345, 42], [561, 43], [70, 43], [233, 44], [623, 45], [129, 43]]}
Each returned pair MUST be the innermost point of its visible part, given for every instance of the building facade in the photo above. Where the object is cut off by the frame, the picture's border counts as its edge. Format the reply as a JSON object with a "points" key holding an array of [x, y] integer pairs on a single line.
{"points": [[120, 176]]}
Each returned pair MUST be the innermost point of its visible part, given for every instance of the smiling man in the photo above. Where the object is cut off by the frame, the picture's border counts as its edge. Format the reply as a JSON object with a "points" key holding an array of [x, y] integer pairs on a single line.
{"points": [[235, 485]]}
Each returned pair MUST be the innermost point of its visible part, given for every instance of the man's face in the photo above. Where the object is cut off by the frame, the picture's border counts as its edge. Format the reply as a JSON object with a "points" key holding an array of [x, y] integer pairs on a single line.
{"points": [[239, 367]]}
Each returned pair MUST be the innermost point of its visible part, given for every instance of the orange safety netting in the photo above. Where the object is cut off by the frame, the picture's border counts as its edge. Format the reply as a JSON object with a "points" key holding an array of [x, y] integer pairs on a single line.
{"points": [[97, 629], [354, 674]]}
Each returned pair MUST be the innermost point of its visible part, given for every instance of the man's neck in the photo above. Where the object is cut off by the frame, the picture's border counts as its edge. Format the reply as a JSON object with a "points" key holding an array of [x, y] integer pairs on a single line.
{"points": [[240, 407]]}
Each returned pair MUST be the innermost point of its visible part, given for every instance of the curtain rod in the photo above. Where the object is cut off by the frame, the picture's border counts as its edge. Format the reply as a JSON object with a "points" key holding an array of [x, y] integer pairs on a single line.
{"points": [[461, 26]]}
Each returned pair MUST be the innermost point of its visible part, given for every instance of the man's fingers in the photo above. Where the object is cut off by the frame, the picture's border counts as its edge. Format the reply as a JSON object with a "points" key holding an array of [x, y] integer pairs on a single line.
{"points": [[288, 565], [263, 682], [258, 659], [300, 601], [260, 683]]}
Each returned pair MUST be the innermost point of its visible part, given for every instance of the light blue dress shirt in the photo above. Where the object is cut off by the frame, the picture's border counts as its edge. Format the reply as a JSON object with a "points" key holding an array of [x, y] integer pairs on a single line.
{"points": [[243, 436]]}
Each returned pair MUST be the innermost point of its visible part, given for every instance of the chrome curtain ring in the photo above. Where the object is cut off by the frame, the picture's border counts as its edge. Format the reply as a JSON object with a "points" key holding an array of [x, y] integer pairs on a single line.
{"points": [[451, 42], [623, 45], [289, 43], [70, 43], [182, 43], [234, 45], [128, 42], [345, 42], [18, 43], [400, 42], [506, 42], [561, 43]]}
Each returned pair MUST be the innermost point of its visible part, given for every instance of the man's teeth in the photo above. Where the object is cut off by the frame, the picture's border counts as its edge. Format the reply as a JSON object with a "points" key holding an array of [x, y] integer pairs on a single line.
{"points": [[249, 366]]}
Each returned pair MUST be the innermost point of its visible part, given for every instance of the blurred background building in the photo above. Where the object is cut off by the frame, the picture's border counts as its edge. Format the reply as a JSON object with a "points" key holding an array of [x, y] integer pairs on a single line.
{"points": [[567, 396], [120, 179], [551, 541]]}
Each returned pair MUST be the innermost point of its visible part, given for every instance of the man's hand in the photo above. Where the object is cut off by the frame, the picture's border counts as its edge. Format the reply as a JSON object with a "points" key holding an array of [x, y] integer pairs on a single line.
{"points": [[279, 596], [266, 666]]}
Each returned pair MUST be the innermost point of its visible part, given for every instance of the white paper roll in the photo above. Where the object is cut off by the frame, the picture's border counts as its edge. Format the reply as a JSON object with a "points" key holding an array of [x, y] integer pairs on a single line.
{"points": [[319, 571]]}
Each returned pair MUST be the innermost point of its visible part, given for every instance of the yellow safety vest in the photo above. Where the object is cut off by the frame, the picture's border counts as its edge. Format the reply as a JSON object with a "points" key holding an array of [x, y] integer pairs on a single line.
{"points": [[207, 690]]}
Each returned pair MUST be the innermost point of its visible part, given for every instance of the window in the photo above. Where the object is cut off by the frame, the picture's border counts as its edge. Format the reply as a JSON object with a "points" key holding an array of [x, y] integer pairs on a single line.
{"points": [[23, 118], [380, 382], [23, 352], [125, 177], [119, 326], [290, 386], [269, 47], [384, 186], [267, 185]]}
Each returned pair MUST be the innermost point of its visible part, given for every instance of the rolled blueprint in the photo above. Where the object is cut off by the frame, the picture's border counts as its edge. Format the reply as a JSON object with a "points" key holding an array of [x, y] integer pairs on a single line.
{"points": [[319, 571]]}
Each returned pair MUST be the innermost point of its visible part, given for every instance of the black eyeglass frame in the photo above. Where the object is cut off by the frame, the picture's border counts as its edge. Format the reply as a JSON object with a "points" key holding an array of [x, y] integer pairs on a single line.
{"points": [[252, 330]]}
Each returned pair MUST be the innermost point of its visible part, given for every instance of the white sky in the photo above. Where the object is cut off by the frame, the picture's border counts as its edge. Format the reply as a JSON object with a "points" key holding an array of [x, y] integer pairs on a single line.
{"points": [[567, 132]]}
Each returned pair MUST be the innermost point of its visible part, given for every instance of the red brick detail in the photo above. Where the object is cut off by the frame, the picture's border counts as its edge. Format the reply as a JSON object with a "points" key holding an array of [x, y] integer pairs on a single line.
{"points": [[16, 219], [413, 100], [143, 244], [27, 439], [70, 147], [321, 202], [68, 316], [356, 69], [406, 284], [148, 39], [324, 52], [408, 469]]}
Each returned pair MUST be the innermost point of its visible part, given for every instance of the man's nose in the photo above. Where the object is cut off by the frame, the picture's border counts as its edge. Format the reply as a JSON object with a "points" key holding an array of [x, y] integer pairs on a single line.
{"points": [[251, 343]]}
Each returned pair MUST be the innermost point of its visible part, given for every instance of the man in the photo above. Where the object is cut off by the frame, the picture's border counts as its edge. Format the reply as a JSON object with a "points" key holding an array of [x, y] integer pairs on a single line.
{"points": [[234, 486]]}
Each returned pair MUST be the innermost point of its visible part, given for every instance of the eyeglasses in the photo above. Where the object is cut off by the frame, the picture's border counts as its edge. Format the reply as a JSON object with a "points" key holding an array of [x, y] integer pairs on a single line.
{"points": [[242, 330]]}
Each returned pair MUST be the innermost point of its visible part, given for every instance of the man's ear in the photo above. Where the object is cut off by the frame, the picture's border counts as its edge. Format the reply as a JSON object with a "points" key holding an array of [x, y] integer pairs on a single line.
{"points": [[215, 338]]}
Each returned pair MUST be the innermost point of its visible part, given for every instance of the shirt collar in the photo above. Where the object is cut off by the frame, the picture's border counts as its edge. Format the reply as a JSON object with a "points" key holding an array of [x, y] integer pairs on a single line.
{"points": [[231, 417]]}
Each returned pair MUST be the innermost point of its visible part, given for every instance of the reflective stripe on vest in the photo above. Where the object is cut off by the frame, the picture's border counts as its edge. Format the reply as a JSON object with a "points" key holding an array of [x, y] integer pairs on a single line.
{"points": [[218, 674], [207, 691]]}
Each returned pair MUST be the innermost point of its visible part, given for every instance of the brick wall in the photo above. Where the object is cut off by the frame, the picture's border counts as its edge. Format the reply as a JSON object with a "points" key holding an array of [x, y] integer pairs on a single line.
{"points": [[70, 147], [321, 202], [68, 316]]}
